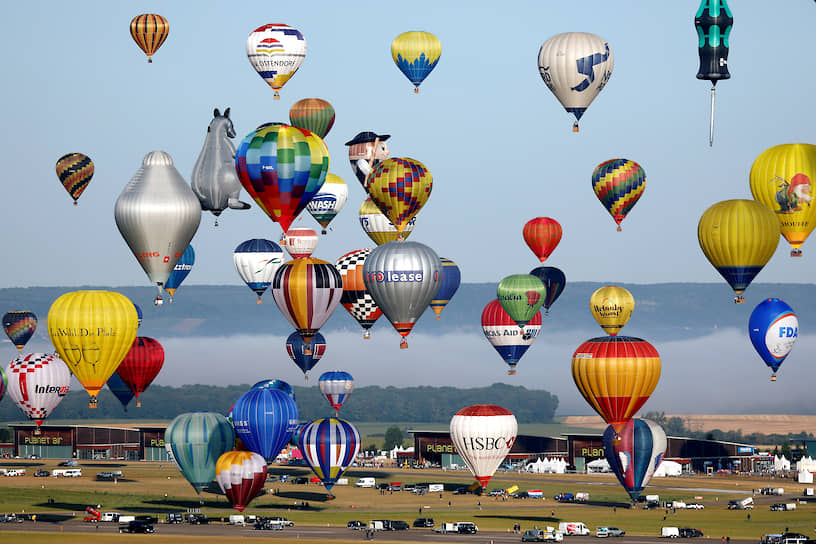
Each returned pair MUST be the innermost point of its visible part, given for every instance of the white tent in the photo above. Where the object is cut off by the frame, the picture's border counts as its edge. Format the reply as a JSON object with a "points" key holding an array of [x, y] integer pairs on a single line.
{"points": [[668, 468], [805, 477], [598, 465], [806, 463], [547, 465], [780, 463]]}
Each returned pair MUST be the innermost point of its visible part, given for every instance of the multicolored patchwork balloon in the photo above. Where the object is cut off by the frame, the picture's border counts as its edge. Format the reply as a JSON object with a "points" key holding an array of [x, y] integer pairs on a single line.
{"points": [[416, 55], [75, 171], [356, 299], [149, 32], [618, 184], [399, 187], [276, 51], [20, 326], [313, 114], [329, 446]]}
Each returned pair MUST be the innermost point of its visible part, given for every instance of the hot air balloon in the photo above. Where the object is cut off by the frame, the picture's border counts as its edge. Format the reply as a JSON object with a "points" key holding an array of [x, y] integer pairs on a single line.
{"points": [[313, 114], [299, 242], [3, 382], [378, 227], [305, 355], [616, 375], [157, 214], [356, 299], [139, 314], [521, 296], [504, 334], [256, 261], [37, 382], [149, 32], [554, 280], [307, 291], [328, 201], [329, 446], [738, 237], [180, 271], [92, 332], [141, 365], [195, 441], [782, 178], [612, 306], [264, 420], [276, 384], [120, 390], [575, 66], [713, 22], [773, 328], [416, 55], [241, 476], [618, 184], [403, 278], [282, 168], [276, 51], [542, 235], [451, 278], [336, 386], [399, 188], [483, 435], [20, 326], [75, 171], [635, 453]]}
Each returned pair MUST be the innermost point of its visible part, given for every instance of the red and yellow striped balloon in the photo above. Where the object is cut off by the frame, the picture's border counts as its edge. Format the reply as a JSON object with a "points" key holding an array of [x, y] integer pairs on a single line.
{"points": [[618, 184], [149, 32]]}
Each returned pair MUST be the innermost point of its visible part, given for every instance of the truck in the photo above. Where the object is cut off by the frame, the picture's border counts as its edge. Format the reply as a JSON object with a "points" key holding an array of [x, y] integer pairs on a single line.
{"points": [[542, 535], [565, 497], [783, 507], [366, 482], [569, 528], [581, 497], [670, 532], [237, 520], [741, 504], [436, 488]]}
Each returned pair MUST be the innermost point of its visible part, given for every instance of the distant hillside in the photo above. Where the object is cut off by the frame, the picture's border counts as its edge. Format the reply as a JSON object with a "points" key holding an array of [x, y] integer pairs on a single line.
{"points": [[666, 311]]}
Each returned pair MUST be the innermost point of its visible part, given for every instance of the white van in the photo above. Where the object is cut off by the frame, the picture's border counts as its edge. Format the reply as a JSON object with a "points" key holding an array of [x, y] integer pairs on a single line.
{"points": [[126, 519], [72, 473], [436, 488], [237, 520], [15, 472], [376, 525], [569, 528], [109, 516], [366, 482], [670, 532]]}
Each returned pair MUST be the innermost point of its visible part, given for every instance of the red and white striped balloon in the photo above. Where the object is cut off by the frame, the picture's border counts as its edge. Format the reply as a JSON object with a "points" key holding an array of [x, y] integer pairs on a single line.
{"points": [[241, 476], [483, 435]]}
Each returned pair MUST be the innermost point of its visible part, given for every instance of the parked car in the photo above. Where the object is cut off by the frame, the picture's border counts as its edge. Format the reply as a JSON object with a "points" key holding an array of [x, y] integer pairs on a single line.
{"points": [[196, 519], [302, 480], [397, 525], [42, 472], [356, 525], [268, 524], [603, 532], [67, 464], [688, 532], [467, 528], [283, 521], [542, 535], [11, 518], [424, 522], [137, 526], [498, 492], [175, 517], [382, 486]]}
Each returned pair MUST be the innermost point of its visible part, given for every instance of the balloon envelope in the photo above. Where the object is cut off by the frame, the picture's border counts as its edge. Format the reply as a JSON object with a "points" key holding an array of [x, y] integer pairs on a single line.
{"points": [[149, 32], [256, 261], [305, 354], [612, 306], [773, 328], [264, 420], [276, 384], [542, 236], [328, 201], [356, 299], [20, 326], [336, 386], [399, 187], [451, 278], [554, 280], [37, 383], [195, 440], [75, 171], [180, 271], [618, 184], [141, 365], [120, 390], [313, 114], [521, 296], [483, 435], [241, 476], [635, 453], [416, 55], [300, 242], [378, 227], [276, 51], [3, 382], [329, 446], [505, 335]]}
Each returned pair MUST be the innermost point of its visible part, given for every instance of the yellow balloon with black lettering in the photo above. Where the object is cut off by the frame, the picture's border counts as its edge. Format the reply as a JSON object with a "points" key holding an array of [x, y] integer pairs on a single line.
{"points": [[612, 306], [92, 332]]}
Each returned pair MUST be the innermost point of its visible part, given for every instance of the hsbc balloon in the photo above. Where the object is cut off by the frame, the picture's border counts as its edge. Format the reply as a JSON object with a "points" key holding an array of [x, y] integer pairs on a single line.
{"points": [[635, 453], [483, 435], [773, 328], [37, 382]]}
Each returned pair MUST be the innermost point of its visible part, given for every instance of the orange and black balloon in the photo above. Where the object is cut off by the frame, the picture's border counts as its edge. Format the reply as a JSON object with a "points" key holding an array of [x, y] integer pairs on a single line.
{"points": [[75, 171]]}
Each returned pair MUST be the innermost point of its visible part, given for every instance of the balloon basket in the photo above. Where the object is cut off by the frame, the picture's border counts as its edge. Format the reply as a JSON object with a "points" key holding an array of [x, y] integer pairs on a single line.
{"points": [[739, 299], [92, 402], [416, 90], [158, 301], [307, 351], [277, 96], [796, 252], [37, 430], [773, 378], [511, 372], [439, 318], [138, 403], [216, 221], [149, 60], [619, 228], [403, 344], [323, 231], [75, 202], [367, 335], [575, 127], [258, 301]]}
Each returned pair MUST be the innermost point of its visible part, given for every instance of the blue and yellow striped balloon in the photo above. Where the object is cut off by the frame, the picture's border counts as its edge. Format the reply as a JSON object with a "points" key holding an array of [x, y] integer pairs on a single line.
{"points": [[618, 184], [416, 54], [451, 278], [329, 446]]}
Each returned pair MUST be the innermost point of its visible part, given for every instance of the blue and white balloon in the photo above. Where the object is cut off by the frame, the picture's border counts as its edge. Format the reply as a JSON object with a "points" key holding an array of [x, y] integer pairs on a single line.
{"points": [[336, 386], [773, 328], [264, 420]]}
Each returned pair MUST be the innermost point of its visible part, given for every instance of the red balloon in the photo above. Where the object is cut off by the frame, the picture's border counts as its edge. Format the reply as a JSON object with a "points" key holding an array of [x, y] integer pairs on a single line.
{"points": [[241, 476], [141, 365], [542, 234]]}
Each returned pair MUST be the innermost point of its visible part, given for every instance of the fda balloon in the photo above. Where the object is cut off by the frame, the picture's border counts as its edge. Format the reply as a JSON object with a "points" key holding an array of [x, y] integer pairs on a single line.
{"points": [[542, 236], [282, 168], [256, 261], [37, 383], [307, 291], [612, 306], [299, 242], [403, 278], [635, 453], [141, 365], [738, 237], [329, 447], [149, 32], [483, 435], [616, 375], [328, 201], [554, 280], [305, 354], [264, 420], [157, 214], [504, 334], [618, 184], [356, 299], [20, 326], [416, 55], [378, 227], [773, 328], [180, 271], [575, 66], [92, 332], [195, 441], [782, 178], [313, 114], [276, 51], [75, 171], [521, 296], [241, 476], [336, 386], [451, 278], [399, 187]]}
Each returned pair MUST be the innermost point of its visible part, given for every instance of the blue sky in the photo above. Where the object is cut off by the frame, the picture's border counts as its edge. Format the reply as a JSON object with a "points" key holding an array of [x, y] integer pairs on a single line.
{"points": [[499, 145]]}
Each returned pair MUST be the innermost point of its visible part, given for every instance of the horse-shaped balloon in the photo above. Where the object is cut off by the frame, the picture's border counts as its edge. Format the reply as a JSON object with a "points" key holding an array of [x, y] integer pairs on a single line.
{"points": [[214, 179]]}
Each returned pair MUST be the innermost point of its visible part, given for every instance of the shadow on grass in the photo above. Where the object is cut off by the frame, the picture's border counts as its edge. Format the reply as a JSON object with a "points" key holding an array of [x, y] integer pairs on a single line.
{"points": [[518, 517], [102, 465], [303, 496], [173, 505]]}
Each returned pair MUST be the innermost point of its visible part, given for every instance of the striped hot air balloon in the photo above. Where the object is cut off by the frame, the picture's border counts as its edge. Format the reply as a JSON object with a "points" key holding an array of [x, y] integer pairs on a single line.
{"points": [[20, 326], [313, 114], [329, 446], [635, 453], [195, 441], [356, 299], [241, 476], [618, 184], [180, 272], [416, 55], [336, 386], [75, 171], [300, 242], [149, 32], [449, 284], [264, 420]]}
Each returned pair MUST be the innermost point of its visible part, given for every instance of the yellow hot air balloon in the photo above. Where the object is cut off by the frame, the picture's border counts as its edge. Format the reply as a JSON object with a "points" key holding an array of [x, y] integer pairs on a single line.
{"points": [[782, 178], [738, 237], [416, 54], [399, 188], [92, 332], [612, 306]]}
